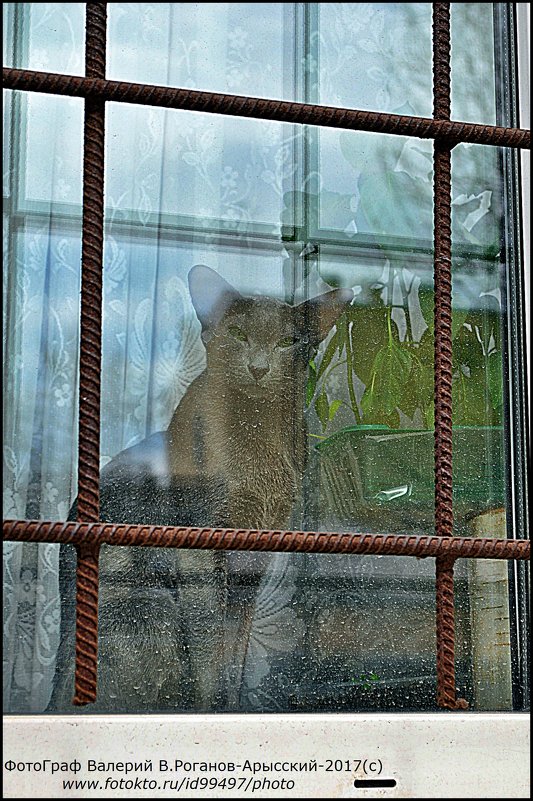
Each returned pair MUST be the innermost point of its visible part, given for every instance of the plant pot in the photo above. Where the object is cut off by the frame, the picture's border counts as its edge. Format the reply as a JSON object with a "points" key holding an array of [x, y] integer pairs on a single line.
{"points": [[375, 470]]}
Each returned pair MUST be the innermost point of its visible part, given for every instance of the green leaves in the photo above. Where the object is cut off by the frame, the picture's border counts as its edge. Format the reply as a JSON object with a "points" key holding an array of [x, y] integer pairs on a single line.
{"points": [[398, 375], [470, 402], [367, 680], [333, 409], [390, 374], [426, 298], [418, 390], [342, 332], [325, 410], [322, 409], [368, 333], [329, 353]]}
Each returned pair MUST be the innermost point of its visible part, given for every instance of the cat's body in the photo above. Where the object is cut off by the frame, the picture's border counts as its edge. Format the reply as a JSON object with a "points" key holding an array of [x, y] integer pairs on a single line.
{"points": [[174, 624]]}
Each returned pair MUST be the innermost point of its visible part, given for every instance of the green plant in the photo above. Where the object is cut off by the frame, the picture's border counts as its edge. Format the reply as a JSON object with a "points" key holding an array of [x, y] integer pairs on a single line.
{"points": [[397, 374]]}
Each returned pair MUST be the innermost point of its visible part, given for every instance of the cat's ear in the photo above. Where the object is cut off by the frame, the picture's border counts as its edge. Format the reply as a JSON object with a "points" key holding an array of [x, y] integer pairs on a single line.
{"points": [[317, 316], [211, 297]]}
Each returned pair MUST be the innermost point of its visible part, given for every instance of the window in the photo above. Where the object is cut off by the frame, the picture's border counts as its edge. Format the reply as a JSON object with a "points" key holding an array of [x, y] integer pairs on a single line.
{"points": [[289, 211]]}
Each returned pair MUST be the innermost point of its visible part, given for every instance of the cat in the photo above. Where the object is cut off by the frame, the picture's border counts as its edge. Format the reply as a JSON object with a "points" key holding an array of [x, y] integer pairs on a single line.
{"points": [[174, 624]]}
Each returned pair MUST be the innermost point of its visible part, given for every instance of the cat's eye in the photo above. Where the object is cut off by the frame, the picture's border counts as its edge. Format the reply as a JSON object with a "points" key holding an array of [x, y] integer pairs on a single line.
{"points": [[238, 333], [286, 342]]}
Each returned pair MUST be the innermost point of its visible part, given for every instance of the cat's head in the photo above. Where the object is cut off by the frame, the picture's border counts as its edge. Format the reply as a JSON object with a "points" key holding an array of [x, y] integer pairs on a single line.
{"points": [[259, 344]]}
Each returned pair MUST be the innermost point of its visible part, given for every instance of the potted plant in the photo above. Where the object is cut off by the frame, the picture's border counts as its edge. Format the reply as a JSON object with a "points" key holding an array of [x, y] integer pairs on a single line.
{"points": [[383, 455]]}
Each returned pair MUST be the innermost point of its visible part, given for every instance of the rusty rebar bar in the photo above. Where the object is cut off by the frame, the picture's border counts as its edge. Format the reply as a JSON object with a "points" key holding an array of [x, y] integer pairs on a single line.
{"points": [[266, 109], [90, 358], [122, 534], [442, 275], [446, 690]]}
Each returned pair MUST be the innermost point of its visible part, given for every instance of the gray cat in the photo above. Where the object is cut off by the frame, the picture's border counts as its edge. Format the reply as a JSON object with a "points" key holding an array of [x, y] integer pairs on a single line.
{"points": [[174, 624]]}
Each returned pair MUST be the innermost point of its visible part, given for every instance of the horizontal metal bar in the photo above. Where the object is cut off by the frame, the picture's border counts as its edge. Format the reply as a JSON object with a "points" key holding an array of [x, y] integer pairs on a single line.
{"points": [[249, 540], [280, 110]]}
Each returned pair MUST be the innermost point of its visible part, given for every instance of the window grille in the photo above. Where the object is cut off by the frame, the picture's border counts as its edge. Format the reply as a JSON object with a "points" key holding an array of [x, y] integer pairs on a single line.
{"points": [[88, 534]]}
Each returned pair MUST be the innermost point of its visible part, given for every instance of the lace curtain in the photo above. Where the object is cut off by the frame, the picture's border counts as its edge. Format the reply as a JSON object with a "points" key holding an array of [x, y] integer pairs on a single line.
{"points": [[185, 188]]}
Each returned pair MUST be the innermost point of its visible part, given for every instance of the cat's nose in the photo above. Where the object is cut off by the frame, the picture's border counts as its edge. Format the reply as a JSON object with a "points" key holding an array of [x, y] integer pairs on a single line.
{"points": [[258, 372]]}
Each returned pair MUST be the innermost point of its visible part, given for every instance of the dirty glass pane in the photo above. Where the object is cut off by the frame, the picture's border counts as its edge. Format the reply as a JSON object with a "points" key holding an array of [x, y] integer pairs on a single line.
{"points": [[267, 363], [361, 55], [258, 381], [202, 169], [210, 46], [45, 36], [375, 56], [371, 56]]}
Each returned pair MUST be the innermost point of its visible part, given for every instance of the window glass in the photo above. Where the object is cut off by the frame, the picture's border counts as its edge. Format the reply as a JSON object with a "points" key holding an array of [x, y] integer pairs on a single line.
{"points": [[267, 363], [374, 56], [45, 36], [209, 46], [204, 168]]}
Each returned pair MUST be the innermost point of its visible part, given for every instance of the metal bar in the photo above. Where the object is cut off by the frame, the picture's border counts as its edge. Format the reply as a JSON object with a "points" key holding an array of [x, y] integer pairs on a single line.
{"points": [[445, 630], [260, 108], [446, 691], [90, 359], [443, 339], [85, 671], [121, 534]]}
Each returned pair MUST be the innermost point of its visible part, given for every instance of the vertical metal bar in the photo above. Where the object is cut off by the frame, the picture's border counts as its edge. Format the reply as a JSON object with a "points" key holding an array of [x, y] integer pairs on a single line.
{"points": [[90, 358], [442, 276], [446, 693]]}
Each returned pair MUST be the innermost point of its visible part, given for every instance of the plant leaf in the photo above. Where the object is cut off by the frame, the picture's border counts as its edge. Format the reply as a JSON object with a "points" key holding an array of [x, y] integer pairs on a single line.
{"points": [[467, 349], [369, 334], [459, 318], [418, 390], [341, 332], [328, 354], [333, 409], [322, 409], [311, 383], [426, 298], [390, 374], [470, 401]]}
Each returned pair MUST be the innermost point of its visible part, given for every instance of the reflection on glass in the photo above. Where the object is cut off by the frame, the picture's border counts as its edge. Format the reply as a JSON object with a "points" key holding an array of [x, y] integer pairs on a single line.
{"points": [[202, 167], [45, 36], [374, 56], [211, 46], [371, 56], [286, 383]]}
